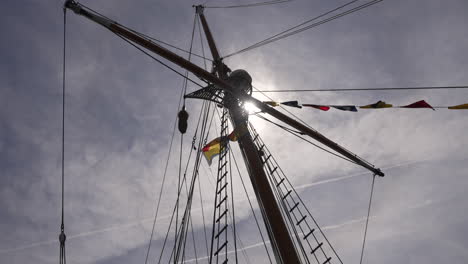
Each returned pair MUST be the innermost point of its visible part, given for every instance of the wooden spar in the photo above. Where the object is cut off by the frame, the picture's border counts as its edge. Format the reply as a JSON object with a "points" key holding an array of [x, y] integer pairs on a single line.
{"points": [[281, 240], [201, 73]]}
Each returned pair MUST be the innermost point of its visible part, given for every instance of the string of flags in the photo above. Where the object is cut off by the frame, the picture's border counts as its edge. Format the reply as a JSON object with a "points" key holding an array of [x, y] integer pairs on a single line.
{"points": [[354, 108]]}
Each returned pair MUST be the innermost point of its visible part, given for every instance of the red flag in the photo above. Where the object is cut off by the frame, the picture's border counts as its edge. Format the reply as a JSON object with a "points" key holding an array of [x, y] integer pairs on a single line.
{"points": [[320, 107], [419, 104]]}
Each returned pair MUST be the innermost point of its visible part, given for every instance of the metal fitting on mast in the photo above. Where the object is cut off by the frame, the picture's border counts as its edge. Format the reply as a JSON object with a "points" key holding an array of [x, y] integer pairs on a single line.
{"points": [[199, 9], [79, 10], [73, 5]]}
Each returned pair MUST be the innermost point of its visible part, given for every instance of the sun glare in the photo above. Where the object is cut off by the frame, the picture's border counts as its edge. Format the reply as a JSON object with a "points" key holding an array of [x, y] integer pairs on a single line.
{"points": [[251, 108]]}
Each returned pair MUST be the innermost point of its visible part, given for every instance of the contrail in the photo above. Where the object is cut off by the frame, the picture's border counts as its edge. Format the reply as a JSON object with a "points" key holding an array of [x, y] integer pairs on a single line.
{"points": [[330, 227], [132, 224]]}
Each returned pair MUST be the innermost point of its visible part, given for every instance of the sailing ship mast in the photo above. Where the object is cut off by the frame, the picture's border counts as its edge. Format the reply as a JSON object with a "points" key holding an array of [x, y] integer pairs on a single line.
{"points": [[234, 97]]}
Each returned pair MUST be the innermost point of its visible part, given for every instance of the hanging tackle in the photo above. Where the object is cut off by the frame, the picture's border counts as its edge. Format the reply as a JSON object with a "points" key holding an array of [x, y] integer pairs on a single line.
{"points": [[183, 117]]}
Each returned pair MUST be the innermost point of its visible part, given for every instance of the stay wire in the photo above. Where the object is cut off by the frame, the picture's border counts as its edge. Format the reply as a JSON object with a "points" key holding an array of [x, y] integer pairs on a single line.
{"points": [[202, 113], [286, 110], [167, 161], [324, 21], [142, 34], [187, 211], [161, 62], [184, 89], [233, 208], [196, 170], [365, 89], [167, 44], [305, 124], [295, 133], [292, 28], [253, 4], [285, 33], [367, 219], [62, 236], [190, 55], [201, 42], [302, 202]]}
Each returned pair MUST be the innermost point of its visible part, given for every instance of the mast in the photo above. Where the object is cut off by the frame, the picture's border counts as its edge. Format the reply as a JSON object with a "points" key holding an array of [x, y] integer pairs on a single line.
{"points": [[202, 74], [281, 241]]}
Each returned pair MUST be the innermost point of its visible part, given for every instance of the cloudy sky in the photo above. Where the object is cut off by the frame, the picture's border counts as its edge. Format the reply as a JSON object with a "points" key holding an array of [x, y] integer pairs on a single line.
{"points": [[121, 107]]}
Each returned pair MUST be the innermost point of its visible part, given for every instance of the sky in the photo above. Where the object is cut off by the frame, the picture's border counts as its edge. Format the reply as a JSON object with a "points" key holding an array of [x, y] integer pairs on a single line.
{"points": [[121, 108]]}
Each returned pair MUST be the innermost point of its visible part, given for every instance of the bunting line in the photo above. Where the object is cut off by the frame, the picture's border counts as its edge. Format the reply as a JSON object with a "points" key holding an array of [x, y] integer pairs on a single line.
{"points": [[377, 105]]}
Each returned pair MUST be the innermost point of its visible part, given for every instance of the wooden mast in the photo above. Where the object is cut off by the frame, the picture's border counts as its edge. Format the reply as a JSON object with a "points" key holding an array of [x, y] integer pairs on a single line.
{"points": [[281, 241], [201, 73]]}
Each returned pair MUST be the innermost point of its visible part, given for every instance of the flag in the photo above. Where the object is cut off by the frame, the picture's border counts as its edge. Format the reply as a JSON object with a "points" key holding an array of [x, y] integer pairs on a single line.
{"points": [[214, 148], [320, 107], [351, 108], [379, 104], [458, 107], [271, 103], [220, 144], [419, 104], [292, 104]]}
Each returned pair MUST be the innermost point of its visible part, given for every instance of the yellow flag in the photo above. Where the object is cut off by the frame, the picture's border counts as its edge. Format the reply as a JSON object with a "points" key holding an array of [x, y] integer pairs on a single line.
{"points": [[457, 107], [214, 148], [379, 104], [271, 103]]}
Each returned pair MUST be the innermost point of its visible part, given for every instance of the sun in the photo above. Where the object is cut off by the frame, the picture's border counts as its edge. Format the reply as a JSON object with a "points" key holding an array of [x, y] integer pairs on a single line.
{"points": [[251, 108]]}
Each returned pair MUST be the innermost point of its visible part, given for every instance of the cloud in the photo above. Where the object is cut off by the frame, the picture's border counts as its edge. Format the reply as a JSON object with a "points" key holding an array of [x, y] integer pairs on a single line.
{"points": [[121, 107]]}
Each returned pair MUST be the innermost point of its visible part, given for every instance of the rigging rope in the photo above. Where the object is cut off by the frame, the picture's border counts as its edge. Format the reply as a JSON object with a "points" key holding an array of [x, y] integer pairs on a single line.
{"points": [[297, 118], [142, 34], [273, 2], [170, 145], [297, 134], [365, 89], [367, 219], [296, 194], [158, 60], [285, 34], [286, 110], [204, 113], [233, 207], [184, 92], [62, 236]]}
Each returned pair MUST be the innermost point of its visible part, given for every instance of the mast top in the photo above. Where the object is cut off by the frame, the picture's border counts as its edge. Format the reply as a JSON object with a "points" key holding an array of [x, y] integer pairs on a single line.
{"points": [[199, 9]]}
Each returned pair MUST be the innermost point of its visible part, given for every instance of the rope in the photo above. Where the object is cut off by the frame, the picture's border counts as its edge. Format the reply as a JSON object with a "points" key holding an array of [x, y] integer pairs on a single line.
{"points": [[167, 44], [158, 60], [302, 121], [295, 133], [286, 110], [204, 113], [184, 88], [364, 89], [194, 176], [62, 236], [300, 199], [253, 4], [141, 34], [367, 219], [165, 168], [189, 56], [284, 34], [184, 92], [233, 207]]}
